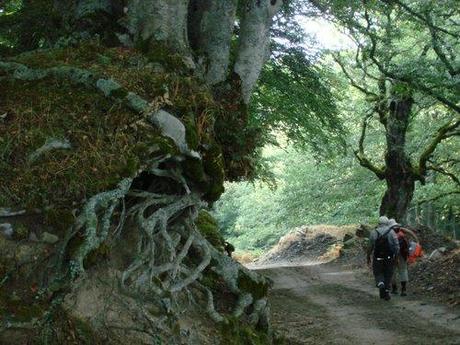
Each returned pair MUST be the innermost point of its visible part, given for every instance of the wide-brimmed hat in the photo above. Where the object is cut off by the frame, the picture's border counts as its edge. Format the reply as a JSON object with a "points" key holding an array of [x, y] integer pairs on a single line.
{"points": [[392, 223]]}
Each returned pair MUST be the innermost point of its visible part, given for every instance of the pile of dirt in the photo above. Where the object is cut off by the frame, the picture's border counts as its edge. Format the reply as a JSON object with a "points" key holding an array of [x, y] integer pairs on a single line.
{"points": [[353, 253], [429, 238], [318, 243], [438, 277]]}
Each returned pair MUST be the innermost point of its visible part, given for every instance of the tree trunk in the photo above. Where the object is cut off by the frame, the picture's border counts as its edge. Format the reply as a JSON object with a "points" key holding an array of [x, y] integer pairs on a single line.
{"points": [[211, 26], [159, 20], [397, 197], [254, 38], [399, 174]]}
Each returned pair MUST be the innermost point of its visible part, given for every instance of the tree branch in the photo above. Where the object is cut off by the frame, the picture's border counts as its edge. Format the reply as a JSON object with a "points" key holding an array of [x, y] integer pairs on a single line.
{"points": [[420, 17], [442, 134], [437, 197], [445, 172], [350, 78], [361, 156], [435, 40]]}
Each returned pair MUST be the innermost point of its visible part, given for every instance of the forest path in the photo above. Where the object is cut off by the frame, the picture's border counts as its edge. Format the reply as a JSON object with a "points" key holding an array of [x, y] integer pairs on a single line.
{"points": [[327, 304]]}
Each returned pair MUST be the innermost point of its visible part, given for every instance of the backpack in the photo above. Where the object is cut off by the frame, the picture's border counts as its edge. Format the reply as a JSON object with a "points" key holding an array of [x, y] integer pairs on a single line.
{"points": [[403, 246], [382, 248]]}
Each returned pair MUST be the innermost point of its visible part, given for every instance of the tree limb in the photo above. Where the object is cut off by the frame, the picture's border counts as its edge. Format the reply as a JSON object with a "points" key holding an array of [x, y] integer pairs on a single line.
{"points": [[361, 156], [350, 78], [442, 134], [420, 17], [445, 172], [437, 197]]}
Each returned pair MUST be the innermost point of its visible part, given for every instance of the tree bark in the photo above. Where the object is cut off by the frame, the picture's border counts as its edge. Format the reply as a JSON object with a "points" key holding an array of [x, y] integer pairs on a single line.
{"points": [[253, 45], [211, 25], [159, 20], [399, 173]]}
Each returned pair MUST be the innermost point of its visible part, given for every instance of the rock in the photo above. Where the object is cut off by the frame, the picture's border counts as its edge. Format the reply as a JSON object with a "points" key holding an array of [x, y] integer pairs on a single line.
{"points": [[136, 103], [347, 237], [173, 128], [33, 237], [8, 212], [156, 67], [6, 229], [108, 86], [49, 238]]}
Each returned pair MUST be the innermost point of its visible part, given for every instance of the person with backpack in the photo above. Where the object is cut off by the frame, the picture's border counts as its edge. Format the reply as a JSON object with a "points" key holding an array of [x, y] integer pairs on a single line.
{"points": [[401, 263], [384, 249]]}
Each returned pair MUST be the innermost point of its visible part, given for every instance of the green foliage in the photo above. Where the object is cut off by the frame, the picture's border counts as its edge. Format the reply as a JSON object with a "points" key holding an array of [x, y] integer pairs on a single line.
{"points": [[295, 96], [253, 216], [22, 25], [235, 332]]}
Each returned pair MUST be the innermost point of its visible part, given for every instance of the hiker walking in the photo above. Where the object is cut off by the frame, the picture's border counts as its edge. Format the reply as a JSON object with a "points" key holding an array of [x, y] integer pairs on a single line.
{"points": [[401, 271], [383, 244]]}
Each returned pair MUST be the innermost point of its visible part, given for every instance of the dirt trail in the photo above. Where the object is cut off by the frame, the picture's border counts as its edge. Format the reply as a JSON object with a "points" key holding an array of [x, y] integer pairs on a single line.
{"points": [[325, 304]]}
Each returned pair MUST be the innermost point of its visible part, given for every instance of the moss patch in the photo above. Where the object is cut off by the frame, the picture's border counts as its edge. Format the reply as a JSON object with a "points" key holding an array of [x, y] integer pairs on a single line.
{"points": [[236, 332], [209, 228], [258, 289], [108, 141]]}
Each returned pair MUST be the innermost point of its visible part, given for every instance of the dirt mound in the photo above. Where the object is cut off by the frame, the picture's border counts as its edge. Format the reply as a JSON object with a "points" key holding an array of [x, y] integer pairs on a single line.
{"points": [[429, 238], [438, 277], [353, 253], [307, 244]]}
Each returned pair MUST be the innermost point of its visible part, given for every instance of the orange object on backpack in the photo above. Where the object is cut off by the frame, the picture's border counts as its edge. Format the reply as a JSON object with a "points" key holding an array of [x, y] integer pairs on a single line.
{"points": [[414, 253]]}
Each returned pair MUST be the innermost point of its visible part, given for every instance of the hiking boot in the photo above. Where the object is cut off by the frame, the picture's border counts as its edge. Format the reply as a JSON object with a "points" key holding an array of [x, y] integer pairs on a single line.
{"points": [[386, 296], [381, 287], [394, 289], [403, 288]]}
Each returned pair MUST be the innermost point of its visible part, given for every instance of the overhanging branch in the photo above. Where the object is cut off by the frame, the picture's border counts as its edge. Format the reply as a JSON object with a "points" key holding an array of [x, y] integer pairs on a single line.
{"points": [[361, 156], [445, 172], [443, 133]]}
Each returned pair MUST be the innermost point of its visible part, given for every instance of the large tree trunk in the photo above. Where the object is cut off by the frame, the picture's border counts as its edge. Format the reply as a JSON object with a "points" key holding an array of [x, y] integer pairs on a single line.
{"points": [[159, 20], [254, 39], [211, 25], [399, 171]]}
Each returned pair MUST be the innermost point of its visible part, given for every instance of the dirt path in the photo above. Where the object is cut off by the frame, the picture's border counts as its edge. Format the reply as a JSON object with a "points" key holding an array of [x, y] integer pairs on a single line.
{"points": [[324, 304]]}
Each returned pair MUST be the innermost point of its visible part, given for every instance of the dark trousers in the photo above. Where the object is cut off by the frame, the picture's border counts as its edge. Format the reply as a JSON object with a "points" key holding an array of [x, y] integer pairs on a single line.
{"points": [[383, 271]]}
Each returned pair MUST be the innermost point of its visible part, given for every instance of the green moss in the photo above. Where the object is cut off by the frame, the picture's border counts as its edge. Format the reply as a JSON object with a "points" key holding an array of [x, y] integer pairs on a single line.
{"points": [[60, 219], [21, 232], [257, 289], [191, 132], [209, 228], [235, 332], [214, 168], [194, 170], [18, 308]]}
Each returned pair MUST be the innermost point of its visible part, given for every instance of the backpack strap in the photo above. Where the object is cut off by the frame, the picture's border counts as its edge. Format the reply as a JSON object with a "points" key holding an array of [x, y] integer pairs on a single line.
{"points": [[384, 234]]}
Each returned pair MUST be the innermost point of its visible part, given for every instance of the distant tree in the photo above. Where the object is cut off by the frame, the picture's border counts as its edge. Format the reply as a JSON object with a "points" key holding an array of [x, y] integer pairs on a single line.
{"points": [[405, 64]]}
